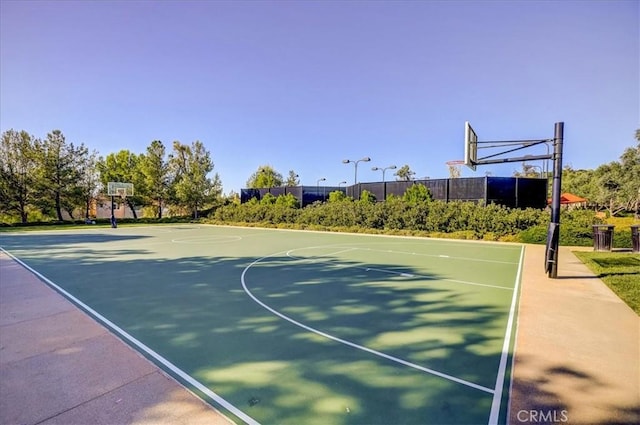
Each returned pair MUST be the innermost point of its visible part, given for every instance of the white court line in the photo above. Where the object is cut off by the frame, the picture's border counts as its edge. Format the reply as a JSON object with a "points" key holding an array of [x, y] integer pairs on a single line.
{"points": [[349, 343], [497, 392], [450, 257], [403, 274], [173, 368], [200, 240], [317, 257]]}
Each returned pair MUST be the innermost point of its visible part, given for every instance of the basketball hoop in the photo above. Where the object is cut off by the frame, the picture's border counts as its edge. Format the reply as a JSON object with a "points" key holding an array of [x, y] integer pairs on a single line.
{"points": [[454, 168], [122, 193], [118, 189]]}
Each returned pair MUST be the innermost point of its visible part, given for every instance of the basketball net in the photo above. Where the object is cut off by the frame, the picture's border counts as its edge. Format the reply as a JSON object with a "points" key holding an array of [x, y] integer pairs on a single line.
{"points": [[454, 168]]}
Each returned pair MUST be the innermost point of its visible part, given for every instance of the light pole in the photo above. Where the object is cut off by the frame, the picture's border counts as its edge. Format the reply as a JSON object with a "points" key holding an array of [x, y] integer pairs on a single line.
{"points": [[318, 187], [538, 167], [527, 167], [391, 167], [347, 161], [340, 189]]}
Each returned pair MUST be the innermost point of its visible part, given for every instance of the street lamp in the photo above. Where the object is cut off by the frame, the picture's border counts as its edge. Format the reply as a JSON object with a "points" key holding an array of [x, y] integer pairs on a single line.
{"points": [[526, 166], [347, 161], [318, 187], [391, 167], [341, 183]]}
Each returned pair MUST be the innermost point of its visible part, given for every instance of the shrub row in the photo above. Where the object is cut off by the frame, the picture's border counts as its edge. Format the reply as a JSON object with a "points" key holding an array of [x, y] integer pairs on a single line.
{"points": [[418, 214], [492, 221]]}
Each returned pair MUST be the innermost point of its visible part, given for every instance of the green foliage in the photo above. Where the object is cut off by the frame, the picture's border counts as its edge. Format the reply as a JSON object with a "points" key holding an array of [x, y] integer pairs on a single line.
{"points": [[268, 199], [190, 166], [613, 187], [18, 165], [288, 201], [475, 221], [417, 194], [576, 229], [265, 176], [338, 196], [155, 176], [292, 179], [367, 197], [404, 173]]}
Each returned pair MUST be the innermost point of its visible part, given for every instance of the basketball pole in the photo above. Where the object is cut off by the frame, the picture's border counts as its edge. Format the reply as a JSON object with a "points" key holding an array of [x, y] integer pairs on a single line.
{"points": [[113, 216], [554, 243]]}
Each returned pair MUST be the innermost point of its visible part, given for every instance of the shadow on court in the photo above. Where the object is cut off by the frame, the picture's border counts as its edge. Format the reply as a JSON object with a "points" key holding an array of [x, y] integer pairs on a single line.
{"points": [[195, 312]]}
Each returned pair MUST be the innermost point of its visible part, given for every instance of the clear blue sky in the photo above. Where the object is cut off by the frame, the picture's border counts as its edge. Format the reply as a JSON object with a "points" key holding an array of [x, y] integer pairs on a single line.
{"points": [[303, 85]]}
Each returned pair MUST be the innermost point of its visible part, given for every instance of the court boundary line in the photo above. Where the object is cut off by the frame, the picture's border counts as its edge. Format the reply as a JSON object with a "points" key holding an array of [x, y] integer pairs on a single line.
{"points": [[403, 274], [498, 389], [447, 257], [444, 241], [199, 240], [109, 324], [349, 343]]}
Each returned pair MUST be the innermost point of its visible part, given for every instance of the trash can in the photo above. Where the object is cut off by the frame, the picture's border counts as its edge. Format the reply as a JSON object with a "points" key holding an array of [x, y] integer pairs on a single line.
{"points": [[602, 237], [635, 238]]}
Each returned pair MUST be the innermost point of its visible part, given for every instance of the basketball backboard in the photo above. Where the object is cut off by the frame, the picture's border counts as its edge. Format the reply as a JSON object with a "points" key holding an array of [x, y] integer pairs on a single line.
{"points": [[470, 146], [119, 189]]}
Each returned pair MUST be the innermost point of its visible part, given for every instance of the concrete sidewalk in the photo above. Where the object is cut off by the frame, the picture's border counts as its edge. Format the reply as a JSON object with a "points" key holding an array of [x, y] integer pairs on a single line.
{"points": [[578, 348], [59, 366], [577, 357]]}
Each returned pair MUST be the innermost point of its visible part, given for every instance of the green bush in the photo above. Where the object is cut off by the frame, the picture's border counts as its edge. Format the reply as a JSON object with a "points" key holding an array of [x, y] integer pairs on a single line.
{"points": [[419, 215], [417, 194]]}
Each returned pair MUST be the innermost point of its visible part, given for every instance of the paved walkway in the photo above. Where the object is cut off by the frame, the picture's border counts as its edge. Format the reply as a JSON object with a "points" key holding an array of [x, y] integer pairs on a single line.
{"points": [[577, 358], [59, 366], [578, 348]]}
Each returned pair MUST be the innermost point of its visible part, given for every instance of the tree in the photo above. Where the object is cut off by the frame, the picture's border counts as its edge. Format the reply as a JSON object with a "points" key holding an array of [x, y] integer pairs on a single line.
{"points": [[190, 166], [59, 172], [18, 164], [579, 182], [630, 178], [529, 171], [265, 177], [292, 179], [609, 182], [155, 170], [89, 180], [404, 173]]}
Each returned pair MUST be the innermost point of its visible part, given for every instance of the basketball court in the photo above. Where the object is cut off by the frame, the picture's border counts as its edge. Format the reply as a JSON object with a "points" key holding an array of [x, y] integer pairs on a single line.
{"points": [[273, 326]]}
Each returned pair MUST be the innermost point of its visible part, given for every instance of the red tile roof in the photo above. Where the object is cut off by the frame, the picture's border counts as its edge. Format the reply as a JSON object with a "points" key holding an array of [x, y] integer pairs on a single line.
{"points": [[569, 198]]}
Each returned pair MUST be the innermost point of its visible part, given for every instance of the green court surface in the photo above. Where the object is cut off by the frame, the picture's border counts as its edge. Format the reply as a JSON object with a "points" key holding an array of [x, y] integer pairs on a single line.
{"points": [[292, 327]]}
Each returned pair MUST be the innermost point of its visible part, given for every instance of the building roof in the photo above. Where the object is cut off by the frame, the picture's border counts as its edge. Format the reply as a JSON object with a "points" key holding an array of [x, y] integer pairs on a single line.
{"points": [[569, 198]]}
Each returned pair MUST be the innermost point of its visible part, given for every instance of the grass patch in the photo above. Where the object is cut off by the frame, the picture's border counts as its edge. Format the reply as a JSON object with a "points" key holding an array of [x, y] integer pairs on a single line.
{"points": [[620, 271]]}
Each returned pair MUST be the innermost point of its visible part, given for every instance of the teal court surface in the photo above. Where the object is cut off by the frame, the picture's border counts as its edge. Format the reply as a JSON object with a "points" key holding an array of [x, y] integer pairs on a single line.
{"points": [[291, 327]]}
